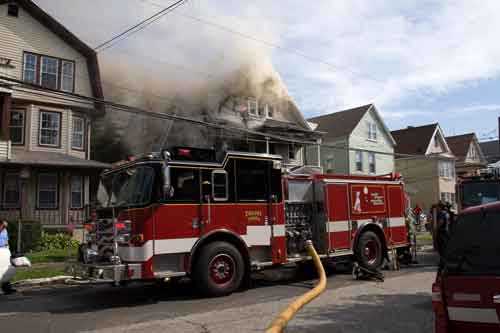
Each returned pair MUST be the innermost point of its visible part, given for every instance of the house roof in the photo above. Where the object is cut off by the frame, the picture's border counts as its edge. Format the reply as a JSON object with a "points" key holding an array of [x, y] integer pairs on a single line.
{"points": [[459, 144], [414, 140], [491, 150], [39, 158], [57, 28], [342, 123]]}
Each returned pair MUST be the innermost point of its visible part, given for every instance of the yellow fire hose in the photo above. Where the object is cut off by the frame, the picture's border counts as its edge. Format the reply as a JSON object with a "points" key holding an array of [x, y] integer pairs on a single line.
{"points": [[280, 322]]}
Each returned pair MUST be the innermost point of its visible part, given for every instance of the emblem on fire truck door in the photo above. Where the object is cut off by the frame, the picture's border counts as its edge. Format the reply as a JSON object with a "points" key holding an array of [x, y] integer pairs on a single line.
{"points": [[357, 203], [253, 215]]}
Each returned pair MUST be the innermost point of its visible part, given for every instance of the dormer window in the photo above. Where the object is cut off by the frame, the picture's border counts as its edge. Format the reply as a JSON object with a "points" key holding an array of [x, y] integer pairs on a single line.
{"points": [[13, 10], [252, 106]]}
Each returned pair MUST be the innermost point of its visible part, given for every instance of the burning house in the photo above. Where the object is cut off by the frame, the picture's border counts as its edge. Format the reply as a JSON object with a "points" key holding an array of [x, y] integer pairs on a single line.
{"points": [[242, 105]]}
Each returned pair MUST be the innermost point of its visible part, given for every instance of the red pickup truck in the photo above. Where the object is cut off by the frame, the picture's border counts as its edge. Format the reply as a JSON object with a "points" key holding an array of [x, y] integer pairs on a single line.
{"points": [[466, 293]]}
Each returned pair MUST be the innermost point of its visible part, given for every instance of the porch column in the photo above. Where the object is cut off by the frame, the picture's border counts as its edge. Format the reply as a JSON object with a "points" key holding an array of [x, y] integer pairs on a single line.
{"points": [[268, 150], [319, 152], [5, 105], [65, 197]]}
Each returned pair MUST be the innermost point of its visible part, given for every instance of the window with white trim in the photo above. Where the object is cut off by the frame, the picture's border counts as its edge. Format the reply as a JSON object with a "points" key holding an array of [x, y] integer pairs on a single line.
{"points": [[78, 136], [448, 197], [11, 191], [16, 127], [252, 106], [446, 169], [372, 131], [372, 166], [50, 128], [76, 188], [29, 69], [48, 184], [359, 160], [49, 72], [67, 75]]}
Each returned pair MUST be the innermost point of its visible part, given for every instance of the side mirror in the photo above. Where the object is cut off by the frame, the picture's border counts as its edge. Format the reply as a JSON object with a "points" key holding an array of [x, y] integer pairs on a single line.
{"points": [[168, 190], [207, 190]]}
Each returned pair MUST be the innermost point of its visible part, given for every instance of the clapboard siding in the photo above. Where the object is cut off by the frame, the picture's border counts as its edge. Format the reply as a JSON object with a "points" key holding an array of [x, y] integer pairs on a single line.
{"points": [[27, 34], [4, 150]]}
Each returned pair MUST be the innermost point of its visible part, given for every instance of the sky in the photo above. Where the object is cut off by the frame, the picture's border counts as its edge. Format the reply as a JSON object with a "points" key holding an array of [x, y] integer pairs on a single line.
{"points": [[418, 61]]}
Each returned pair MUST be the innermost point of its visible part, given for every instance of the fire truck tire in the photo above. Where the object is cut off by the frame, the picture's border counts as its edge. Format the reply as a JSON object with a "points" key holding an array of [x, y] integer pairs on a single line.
{"points": [[369, 251], [219, 270]]}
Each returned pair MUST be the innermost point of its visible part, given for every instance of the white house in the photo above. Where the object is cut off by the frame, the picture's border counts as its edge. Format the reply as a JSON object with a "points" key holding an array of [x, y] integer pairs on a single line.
{"points": [[356, 141]]}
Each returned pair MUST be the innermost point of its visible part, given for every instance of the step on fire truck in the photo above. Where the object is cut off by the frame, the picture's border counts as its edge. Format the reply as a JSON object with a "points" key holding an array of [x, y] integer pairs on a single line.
{"points": [[185, 214]]}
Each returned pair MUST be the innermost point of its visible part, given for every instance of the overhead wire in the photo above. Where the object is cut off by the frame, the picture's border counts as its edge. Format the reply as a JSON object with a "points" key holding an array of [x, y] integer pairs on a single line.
{"points": [[138, 27], [76, 98]]}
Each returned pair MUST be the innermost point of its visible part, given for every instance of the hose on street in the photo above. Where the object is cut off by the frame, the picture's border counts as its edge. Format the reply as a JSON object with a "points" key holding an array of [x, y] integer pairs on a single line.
{"points": [[280, 322]]}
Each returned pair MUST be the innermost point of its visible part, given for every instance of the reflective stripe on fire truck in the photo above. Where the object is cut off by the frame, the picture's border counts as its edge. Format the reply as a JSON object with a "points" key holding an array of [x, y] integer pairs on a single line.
{"points": [[338, 226], [257, 235], [473, 315], [397, 222], [343, 226]]}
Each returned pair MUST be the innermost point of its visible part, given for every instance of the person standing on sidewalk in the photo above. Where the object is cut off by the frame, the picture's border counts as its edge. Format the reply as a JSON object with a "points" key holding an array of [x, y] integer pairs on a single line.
{"points": [[4, 246]]}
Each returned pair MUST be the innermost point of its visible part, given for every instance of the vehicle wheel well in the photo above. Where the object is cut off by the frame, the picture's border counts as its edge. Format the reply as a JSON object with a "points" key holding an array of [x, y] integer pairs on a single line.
{"points": [[378, 231], [222, 237]]}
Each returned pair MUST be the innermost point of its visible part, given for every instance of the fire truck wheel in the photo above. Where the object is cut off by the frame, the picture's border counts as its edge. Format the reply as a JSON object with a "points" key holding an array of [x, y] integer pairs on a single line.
{"points": [[369, 252], [219, 269]]}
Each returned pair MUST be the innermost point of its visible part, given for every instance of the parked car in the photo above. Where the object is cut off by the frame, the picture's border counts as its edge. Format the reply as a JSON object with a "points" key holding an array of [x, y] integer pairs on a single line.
{"points": [[466, 293]]}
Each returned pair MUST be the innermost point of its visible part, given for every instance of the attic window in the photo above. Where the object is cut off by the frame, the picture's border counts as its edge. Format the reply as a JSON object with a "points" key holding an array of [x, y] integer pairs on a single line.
{"points": [[13, 10], [252, 106]]}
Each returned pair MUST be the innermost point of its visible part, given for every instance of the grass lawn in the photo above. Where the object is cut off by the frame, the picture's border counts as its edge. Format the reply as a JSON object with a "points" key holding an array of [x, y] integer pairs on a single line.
{"points": [[51, 256], [38, 272], [46, 264]]}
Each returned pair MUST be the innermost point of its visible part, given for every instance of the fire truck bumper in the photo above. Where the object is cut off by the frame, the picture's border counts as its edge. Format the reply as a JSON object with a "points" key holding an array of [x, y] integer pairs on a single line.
{"points": [[108, 272]]}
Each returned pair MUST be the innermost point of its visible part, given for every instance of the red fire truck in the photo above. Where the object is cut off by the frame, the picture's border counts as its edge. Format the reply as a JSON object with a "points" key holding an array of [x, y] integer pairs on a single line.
{"points": [[183, 213]]}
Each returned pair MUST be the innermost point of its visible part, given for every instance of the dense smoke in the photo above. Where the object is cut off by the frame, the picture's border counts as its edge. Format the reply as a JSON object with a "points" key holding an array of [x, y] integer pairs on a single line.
{"points": [[190, 80]]}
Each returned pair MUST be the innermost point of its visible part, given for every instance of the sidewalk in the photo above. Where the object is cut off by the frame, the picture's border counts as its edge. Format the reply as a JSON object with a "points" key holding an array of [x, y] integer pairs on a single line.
{"points": [[400, 304]]}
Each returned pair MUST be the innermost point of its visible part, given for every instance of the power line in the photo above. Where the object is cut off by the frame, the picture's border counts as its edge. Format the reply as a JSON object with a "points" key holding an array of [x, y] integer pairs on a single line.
{"points": [[76, 98], [138, 27]]}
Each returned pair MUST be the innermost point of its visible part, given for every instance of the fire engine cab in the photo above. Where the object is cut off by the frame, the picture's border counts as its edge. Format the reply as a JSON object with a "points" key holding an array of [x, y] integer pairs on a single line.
{"points": [[184, 213]]}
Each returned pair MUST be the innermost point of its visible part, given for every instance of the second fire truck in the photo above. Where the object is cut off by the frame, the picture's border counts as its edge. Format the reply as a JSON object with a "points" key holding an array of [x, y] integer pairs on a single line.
{"points": [[185, 214]]}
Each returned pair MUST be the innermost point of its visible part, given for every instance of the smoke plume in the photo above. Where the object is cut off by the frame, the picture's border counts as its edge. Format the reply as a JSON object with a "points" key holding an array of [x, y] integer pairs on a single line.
{"points": [[190, 73]]}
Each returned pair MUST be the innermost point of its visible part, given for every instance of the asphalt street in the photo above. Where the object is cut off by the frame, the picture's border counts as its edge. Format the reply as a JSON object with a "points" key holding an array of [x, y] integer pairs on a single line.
{"points": [[402, 301]]}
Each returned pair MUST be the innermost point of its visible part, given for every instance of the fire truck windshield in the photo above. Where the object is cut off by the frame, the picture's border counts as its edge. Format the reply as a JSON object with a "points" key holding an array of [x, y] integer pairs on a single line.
{"points": [[129, 187], [478, 193]]}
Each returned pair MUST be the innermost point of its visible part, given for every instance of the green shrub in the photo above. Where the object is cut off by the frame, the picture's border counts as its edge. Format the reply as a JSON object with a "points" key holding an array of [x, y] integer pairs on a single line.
{"points": [[31, 234], [59, 241]]}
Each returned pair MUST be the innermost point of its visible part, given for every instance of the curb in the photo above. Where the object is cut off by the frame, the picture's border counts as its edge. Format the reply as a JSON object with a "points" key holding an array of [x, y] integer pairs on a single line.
{"points": [[42, 282]]}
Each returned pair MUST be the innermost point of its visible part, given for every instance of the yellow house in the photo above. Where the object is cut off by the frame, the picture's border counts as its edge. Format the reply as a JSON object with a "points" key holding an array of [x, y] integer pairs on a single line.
{"points": [[427, 165]]}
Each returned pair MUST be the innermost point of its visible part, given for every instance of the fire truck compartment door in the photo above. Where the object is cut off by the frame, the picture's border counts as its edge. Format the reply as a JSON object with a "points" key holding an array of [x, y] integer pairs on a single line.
{"points": [[398, 232], [338, 216]]}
